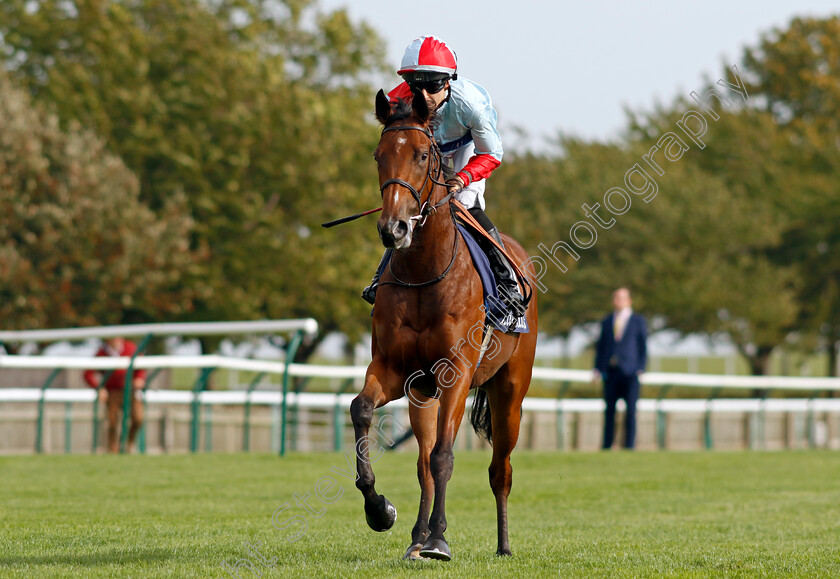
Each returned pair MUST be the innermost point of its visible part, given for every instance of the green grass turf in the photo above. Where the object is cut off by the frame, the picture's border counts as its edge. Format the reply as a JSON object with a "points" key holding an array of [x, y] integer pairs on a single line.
{"points": [[606, 514]]}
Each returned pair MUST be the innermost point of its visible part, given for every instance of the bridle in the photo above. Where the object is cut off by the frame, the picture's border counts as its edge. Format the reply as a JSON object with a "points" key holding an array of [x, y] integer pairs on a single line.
{"points": [[426, 208], [435, 165]]}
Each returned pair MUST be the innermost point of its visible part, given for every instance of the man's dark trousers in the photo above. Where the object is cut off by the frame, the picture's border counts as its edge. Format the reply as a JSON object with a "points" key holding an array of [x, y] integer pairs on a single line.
{"points": [[617, 385]]}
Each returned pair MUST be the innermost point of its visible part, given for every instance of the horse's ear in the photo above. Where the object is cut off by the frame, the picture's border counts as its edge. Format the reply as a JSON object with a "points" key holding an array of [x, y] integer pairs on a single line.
{"points": [[420, 107], [383, 107]]}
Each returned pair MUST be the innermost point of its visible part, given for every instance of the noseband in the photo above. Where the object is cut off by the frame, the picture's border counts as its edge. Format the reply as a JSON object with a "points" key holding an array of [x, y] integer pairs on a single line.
{"points": [[435, 165]]}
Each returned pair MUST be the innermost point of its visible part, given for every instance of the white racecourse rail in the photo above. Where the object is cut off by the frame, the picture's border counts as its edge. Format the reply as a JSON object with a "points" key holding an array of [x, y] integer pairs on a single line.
{"points": [[307, 325], [327, 401], [299, 328]]}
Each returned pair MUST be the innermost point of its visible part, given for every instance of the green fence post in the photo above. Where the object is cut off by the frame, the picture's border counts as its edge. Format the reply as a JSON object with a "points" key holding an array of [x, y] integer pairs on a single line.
{"points": [[246, 425], [707, 420], [39, 435], [128, 392], [208, 428], [338, 415], [198, 388], [561, 417], [68, 426], [274, 434], [810, 420], [762, 419], [105, 377], [141, 443], [291, 350], [661, 419]]}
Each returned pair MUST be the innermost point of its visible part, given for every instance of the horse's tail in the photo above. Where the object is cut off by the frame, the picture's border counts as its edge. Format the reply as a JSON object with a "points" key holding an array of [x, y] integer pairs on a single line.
{"points": [[480, 415]]}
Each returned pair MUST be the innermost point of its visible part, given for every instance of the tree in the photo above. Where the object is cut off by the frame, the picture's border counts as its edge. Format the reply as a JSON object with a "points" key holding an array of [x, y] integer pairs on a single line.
{"points": [[538, 198], [792, 74], [740, 236], [734, 280], [257, 111], [77, 246], [703, 251]]}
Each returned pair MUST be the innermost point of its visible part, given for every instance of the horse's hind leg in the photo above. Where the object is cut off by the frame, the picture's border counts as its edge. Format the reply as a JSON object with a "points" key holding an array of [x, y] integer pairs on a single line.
{"points": [[380, 388], [505, 399], [424, 425]]}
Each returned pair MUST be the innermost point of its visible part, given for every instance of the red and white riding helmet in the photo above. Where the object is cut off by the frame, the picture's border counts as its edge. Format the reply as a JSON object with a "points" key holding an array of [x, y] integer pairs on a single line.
{"points": [[429, 54]]}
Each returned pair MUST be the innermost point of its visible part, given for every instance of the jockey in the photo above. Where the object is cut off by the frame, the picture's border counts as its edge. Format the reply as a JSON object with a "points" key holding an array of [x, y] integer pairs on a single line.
{"points": [[469, 142]]}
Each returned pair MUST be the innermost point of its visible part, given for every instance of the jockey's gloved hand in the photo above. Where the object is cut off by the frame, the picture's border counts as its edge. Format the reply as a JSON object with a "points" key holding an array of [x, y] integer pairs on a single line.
{"points": [[454, 184]]}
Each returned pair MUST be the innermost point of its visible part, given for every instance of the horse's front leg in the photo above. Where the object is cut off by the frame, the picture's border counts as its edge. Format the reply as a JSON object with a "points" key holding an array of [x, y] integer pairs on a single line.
{"points": [[442, 462], [423, 414], [381, 386]]}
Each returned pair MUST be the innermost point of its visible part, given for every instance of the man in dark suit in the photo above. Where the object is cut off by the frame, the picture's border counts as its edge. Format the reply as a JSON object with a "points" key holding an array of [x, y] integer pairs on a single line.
{"points": [[620, 358]]}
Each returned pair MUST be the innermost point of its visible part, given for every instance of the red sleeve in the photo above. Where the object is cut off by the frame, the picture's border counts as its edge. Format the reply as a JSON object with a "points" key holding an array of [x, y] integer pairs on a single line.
{"points": [[92, 376], [401, 92], [478, 167], [128, 351]]}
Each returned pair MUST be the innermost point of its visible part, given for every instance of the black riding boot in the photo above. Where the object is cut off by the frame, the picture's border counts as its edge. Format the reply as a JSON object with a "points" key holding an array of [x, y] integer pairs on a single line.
{"points": [[505, 277], [369, 293]]}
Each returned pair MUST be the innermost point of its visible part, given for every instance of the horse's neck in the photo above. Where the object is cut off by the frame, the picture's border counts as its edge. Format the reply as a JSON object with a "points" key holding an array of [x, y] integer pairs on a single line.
{"points": [[431, 250]]}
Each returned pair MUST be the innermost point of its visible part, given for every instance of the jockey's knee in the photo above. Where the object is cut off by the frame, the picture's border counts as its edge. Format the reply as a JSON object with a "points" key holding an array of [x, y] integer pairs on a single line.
{"points": [[479, 215]]}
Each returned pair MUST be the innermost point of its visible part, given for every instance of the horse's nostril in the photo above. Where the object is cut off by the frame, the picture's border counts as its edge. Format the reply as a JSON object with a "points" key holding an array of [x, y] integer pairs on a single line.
{"points": [[393, 231], [400, 229]]}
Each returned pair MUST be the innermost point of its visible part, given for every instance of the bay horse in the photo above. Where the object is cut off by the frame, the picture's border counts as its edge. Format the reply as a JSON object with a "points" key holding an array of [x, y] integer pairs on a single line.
{"points": [[429, 302]]}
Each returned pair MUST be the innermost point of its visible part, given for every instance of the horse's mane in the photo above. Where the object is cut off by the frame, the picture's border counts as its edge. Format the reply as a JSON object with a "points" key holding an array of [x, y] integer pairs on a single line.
{"points": [[401, 111]]}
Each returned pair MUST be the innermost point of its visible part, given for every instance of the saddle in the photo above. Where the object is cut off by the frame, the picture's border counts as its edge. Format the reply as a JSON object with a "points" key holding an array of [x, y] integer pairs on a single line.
{"points": [[497, 313]]}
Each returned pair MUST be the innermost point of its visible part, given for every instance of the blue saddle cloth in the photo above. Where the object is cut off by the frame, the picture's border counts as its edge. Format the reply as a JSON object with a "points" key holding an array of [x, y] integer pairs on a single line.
{"points": [[496, 311]]}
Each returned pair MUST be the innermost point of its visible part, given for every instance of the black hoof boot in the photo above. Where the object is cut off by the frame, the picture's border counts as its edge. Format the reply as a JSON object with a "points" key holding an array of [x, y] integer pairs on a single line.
{"points": [[436, 549], [380, 515]]}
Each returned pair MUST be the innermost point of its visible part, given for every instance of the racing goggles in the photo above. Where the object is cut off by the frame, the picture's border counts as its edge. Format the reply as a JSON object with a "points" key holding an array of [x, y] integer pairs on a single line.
{"points": [[430, 86]]}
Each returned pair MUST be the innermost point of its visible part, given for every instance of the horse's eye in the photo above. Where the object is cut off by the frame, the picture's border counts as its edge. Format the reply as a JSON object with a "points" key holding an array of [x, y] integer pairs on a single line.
{"points": [[424, 156]]}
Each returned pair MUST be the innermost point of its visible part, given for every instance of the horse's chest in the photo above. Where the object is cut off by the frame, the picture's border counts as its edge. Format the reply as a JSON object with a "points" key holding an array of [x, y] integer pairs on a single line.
{"points": [[403, 342], [424, 325]]}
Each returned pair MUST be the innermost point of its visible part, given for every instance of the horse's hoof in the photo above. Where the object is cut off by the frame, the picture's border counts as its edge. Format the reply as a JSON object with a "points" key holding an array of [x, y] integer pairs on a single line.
{"points": [[413, 553], [436, 549], [504, 553], [380, 516]]}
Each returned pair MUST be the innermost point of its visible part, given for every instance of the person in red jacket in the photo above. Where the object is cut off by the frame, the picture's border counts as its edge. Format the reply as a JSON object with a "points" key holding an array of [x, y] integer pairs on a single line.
{"points": [[112, 393]]}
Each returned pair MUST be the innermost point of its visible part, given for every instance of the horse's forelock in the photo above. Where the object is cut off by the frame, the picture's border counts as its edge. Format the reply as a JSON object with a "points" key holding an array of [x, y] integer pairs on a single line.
{"points": [[402, 111]]}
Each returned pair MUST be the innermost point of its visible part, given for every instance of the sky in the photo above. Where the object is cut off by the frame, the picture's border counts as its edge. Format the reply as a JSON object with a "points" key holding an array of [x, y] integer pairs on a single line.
{"points": [[573, 67]]}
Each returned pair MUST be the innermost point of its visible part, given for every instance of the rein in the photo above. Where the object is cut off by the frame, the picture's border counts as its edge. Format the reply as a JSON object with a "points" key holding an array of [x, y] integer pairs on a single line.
{"points": [[425, 208]]}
